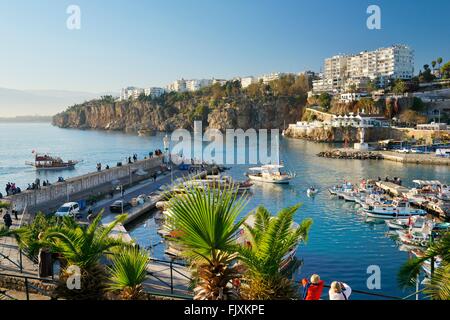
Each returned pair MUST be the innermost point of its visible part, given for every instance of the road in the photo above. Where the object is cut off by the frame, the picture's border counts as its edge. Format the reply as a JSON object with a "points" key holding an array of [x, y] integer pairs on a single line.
{"points": [[144, 187]]}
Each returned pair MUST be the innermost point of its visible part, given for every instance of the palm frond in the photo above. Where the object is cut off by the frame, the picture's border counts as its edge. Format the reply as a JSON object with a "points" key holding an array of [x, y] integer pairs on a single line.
{"points": [[128, 271], [439, 286]]}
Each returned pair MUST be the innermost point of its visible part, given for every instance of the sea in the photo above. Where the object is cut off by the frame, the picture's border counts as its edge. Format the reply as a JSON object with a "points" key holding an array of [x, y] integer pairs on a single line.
{"points": [[343, 245]]}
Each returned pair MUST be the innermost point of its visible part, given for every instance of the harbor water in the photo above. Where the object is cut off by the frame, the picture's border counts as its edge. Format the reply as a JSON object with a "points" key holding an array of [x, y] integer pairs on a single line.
{"points": [[342, 245]]}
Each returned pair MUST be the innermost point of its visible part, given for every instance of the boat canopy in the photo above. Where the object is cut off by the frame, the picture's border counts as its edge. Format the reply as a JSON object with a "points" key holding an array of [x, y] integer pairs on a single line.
{"points": [[427, 182], [267, 167]]}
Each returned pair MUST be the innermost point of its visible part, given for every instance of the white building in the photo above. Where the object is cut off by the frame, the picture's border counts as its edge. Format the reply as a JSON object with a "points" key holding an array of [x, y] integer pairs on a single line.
{"points": [[219, 81], [246, 81], [358, 121], [266, 78], [177, 86], [130, 92], [394, 62], [134, 92], [154, 91], [352, 96], [189, 85], [432, 126], [196, 84]]}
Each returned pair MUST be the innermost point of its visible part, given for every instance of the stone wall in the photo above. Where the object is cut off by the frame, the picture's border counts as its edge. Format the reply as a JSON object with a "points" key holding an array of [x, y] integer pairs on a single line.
{"points": [[59, 191], [18, 284]]}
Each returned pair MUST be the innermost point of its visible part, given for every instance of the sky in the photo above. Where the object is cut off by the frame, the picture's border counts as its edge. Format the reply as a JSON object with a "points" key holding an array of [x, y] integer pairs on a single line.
{"points": [[153, 42]]}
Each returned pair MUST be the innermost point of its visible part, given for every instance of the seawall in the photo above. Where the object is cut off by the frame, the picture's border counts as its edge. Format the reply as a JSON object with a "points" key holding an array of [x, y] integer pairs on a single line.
{"points": [[85, 184]]}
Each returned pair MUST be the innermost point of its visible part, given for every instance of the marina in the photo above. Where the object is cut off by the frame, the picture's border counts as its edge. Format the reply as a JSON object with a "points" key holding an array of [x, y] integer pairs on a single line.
{"points": [[335, 220]]}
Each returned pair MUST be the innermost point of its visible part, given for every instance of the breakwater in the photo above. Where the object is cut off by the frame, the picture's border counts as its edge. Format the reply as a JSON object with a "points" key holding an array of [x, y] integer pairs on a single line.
{"points": [[350, 154], [85, 185], [422, 159]]}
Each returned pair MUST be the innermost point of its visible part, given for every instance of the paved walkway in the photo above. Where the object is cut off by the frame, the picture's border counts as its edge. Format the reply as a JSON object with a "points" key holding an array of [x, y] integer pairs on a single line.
{"points": [[161, 277], [10, 254]]}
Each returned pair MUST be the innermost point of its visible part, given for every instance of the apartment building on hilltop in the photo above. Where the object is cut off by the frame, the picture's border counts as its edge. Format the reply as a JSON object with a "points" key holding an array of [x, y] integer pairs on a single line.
{"points": [[344, 71]]}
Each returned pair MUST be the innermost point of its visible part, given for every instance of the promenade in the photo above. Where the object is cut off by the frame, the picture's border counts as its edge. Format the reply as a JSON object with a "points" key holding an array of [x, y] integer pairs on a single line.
{"points": [[164, 277], [416, 158]]}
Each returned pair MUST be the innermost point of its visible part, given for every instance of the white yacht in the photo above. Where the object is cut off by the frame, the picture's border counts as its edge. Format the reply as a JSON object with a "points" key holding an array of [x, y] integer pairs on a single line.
{"points": [[271, 173]]}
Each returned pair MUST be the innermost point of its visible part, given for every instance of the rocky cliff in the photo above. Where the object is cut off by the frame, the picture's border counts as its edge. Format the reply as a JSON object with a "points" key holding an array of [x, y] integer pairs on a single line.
{"points": [[169, 114]]}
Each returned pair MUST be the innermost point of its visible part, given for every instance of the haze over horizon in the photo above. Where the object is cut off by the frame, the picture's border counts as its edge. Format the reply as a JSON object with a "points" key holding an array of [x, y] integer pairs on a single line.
{"points": [[152, 43]]}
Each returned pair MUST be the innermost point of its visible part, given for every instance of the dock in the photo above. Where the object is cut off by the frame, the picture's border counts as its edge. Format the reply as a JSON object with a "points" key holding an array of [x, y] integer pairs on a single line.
{"points": [[392, 188], [427, 159]]}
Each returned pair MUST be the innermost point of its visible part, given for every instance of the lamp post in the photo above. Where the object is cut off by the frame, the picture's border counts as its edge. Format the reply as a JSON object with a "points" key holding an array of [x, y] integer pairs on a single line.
{"points": [[166, 142]]}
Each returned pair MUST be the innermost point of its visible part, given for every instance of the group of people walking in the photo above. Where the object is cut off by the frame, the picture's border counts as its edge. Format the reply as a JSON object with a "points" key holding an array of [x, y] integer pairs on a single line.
{"points": [[313, 289]]}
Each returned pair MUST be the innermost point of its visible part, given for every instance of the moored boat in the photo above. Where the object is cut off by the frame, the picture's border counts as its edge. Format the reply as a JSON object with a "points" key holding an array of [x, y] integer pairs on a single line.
{"points": [[398, 209], [271, 173]]}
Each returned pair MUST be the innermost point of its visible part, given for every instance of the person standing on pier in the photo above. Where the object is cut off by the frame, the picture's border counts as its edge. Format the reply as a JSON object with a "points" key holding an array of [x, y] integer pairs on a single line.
{"points": [[7, 220]]}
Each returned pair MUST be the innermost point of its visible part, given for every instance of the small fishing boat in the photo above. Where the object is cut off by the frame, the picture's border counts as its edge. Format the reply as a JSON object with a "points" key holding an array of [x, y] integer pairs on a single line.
{"points": [[311, 192], [418, 234], [48, 162], [398, 209], [271, 173], [400, 224]]}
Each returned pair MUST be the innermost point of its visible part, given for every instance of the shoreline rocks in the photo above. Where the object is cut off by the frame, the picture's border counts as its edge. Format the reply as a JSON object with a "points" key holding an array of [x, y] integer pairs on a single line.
{"points": [[350, 154]]}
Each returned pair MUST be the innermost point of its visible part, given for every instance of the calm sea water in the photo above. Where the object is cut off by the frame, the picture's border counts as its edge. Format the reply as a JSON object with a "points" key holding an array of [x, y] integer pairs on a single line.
{"points": [[341, 245]]}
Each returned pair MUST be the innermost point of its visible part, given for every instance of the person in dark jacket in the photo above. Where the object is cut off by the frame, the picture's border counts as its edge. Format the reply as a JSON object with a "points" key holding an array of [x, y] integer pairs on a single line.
{"points": [[7, 220]]}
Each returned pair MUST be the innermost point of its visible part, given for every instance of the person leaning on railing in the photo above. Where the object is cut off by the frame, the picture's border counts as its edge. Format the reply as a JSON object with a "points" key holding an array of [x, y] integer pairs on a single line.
{"points": [[313, 288], [339, 291]]}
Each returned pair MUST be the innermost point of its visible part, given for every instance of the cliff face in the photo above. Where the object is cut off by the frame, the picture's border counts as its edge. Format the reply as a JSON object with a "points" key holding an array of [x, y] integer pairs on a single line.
{"points": [[243, 112]]}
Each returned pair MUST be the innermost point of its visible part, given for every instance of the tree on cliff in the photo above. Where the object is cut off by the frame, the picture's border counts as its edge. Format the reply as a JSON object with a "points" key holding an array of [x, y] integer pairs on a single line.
{"points": [[445, 71], [411, 117], [324, 100], [399, 88]]}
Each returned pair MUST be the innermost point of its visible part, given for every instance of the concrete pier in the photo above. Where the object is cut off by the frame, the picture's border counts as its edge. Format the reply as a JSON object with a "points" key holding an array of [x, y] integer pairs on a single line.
{"points": [[80, 187], [430, 159]]}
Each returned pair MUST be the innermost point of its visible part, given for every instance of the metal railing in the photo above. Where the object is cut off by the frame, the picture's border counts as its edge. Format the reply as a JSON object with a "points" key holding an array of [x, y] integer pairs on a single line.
{"points": [[378, 295], [172, 269], [28, 286]]}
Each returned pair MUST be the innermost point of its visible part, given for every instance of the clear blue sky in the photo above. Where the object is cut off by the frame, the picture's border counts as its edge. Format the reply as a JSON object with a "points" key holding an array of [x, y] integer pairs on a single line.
{"points": [[143, 43]]}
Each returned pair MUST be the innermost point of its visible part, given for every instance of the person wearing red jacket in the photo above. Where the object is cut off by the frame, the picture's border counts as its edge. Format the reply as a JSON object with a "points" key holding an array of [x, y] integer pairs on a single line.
{"points": [[313, 288]]}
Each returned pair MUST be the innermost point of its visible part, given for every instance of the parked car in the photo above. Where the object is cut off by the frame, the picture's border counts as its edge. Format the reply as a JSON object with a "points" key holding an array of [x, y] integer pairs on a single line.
{"points": [[69, 209], [116, 207]]}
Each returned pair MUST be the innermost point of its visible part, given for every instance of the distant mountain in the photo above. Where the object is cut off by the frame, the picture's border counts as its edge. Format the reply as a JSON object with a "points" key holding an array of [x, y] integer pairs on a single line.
{"points": [[41, 102], [26, 119]]}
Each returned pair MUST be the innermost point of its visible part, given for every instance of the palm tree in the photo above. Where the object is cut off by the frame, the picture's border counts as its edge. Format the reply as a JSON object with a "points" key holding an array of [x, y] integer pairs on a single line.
{"points": [[438, 288], [128, 273], [439, 61], [271, 239], [206, 218], [4, 232], [82, 247], [27, 235]]}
